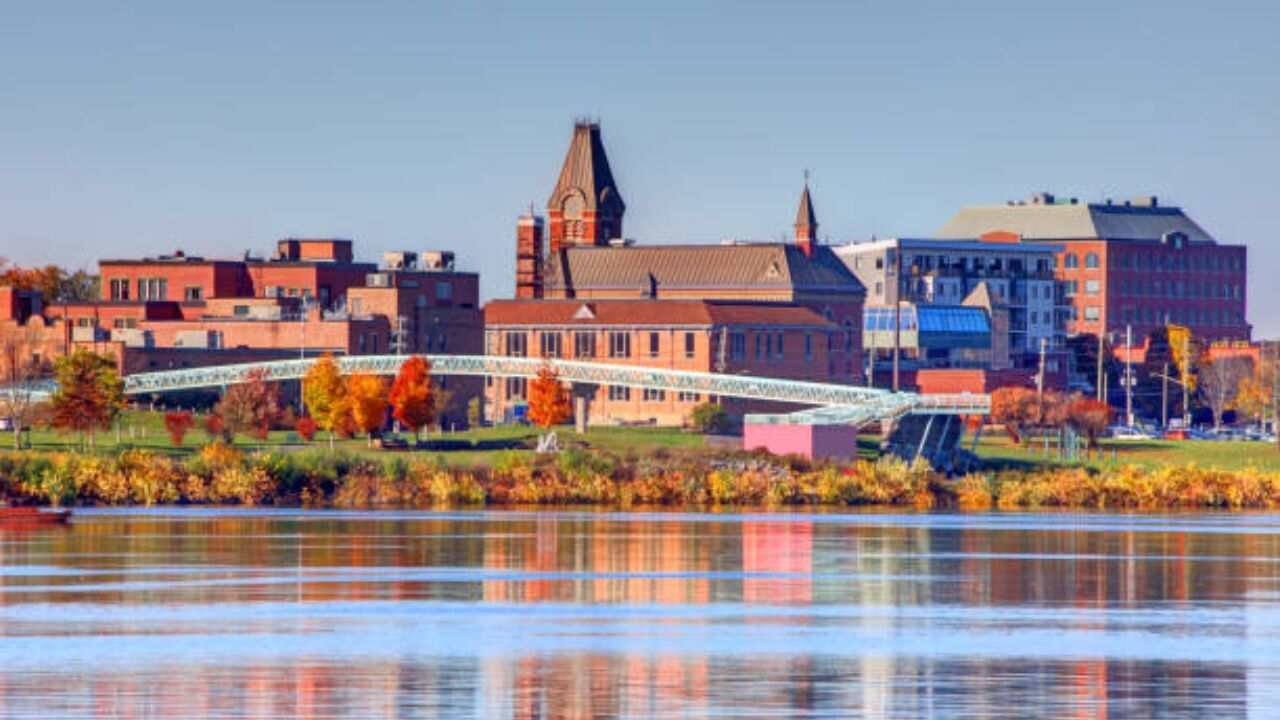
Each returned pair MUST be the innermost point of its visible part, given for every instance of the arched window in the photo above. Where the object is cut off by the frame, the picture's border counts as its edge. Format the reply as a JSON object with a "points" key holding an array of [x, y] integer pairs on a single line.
{"points": [[1091, 260], [1071, 261]]}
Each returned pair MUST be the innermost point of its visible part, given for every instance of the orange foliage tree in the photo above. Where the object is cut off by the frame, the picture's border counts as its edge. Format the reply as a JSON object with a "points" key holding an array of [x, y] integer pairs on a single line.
{"points": [[548, 399], [412, 401], [1015, 408], [367, 398]]}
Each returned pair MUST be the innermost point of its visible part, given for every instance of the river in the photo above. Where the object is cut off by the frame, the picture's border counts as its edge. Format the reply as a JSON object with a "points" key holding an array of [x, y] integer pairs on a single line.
{"points": [[530, 614]]}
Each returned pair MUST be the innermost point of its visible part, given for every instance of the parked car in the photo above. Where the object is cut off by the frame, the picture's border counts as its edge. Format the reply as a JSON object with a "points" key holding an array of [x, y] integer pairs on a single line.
{"points": [[1128, 432], [6, 424]]}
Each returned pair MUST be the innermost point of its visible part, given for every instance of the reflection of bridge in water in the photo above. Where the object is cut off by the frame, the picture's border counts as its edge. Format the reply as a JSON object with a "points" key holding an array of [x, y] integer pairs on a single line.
{"points": [[832, 404]]}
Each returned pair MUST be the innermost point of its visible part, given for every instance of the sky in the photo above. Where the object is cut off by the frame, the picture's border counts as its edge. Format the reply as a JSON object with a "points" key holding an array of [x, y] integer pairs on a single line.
{"points": [[143, 127]]}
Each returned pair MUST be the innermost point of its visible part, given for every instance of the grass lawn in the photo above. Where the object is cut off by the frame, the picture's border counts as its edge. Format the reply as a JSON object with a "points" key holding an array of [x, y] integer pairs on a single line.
{"points": [[146, 430], [999, 451]]}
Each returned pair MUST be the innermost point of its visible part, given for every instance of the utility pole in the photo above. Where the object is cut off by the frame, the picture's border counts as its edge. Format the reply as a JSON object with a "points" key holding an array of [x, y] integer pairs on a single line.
{"points": [[1164, 397], [1040, 375], [1098, 389], [1186, 375], [897, 309], [1128, 374], [1275, 389]]}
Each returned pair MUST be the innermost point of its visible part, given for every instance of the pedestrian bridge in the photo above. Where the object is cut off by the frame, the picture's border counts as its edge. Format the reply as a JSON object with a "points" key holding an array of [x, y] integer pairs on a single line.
{"points": [[832, 404]]}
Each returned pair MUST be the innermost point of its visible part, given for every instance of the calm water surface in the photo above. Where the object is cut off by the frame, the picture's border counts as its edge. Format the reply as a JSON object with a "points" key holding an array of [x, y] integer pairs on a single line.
{"points": [[174, 613]]}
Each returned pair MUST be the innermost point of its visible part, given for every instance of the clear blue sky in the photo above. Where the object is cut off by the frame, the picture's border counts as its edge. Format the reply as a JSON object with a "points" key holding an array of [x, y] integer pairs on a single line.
{"points": [[219, 127]]}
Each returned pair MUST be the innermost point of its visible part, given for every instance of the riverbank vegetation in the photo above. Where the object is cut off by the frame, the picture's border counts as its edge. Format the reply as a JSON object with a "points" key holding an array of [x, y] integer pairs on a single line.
{"points": [[223, 474]]}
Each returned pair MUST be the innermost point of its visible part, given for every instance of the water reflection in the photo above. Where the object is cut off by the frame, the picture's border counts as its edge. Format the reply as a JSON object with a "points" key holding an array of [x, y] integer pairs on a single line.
{"points": [[536, 615]]}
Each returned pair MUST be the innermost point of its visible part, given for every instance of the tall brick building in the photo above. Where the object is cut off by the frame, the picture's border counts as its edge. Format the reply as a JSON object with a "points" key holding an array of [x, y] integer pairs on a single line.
{"points": [[578, 253], [1126, 263]]}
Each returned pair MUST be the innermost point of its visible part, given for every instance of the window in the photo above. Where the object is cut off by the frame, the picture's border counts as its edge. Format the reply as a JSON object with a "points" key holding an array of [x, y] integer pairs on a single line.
{"points": [[1092, 312], [193, 293], [517, 344], [152, 288], [584, 344], [808, 346], [737, 345], [687, 397], [1071, 261], [1091, 260], [240, 310], [620, 344], [1092, 287], [619, 392], [651, 395], [119, 289], [654, 343], [777, 346], [689, 345], [549, 344], [516, 387], [444, 291]]}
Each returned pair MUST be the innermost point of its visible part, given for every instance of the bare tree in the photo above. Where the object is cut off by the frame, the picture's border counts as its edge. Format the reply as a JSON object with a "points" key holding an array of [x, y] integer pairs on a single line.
{"points": [[22, 370], [1219, 382]]}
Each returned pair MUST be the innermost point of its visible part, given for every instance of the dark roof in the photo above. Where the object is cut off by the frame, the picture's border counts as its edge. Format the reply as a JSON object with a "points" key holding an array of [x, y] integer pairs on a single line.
{"points": [[804, 214], [649, 312], [586, 172], [751, 267]]}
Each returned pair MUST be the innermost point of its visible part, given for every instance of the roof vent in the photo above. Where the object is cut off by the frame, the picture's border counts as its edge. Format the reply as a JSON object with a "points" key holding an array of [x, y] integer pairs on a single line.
{"points": [[1146, 201]]}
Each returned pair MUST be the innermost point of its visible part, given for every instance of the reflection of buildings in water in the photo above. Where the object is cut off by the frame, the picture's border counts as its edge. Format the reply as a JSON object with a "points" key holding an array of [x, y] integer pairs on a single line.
{"points": [[777, 548]]}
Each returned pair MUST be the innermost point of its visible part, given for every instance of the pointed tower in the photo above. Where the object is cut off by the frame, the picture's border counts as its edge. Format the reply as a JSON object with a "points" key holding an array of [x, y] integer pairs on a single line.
{"points": [[585, 207], [806, 222]]}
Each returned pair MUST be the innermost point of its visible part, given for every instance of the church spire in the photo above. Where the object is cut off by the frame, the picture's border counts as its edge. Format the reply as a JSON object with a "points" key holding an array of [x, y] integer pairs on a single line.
{"points": [[806, 221], [585, 208]]}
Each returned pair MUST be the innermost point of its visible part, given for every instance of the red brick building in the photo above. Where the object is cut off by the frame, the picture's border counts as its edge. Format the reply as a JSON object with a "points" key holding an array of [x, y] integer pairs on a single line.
{"points": [[1134, 263], [579, 254], [773, 339]]}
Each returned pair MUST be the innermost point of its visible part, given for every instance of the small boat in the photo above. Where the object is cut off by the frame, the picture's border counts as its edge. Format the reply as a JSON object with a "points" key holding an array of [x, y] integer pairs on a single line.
{"points": [[26, 517]]}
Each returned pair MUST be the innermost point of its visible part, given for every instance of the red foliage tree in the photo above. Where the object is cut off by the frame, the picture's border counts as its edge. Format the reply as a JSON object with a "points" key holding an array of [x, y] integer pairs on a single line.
{"points": [[215, 427], [411, 394], [1015, 408], [1089, 417], [251, 407], [306, 428], [177, 423]]}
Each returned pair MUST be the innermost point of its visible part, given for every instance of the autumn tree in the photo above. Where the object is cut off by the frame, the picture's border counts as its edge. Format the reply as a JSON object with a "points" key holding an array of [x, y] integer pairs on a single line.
{"points": [[306, 428], [1183, 352], [1219, 383], [250, 407], [177, 423], [367, 396], [22, 369], [323, 392], [90, 393], [549, 402], [412, 397], [1089, 417], [52, 282], [1016, 409]]}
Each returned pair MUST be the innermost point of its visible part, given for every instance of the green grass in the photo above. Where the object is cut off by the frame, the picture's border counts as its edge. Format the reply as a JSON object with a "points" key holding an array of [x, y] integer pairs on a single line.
{"points": [[140, 429], [1000, 452]]}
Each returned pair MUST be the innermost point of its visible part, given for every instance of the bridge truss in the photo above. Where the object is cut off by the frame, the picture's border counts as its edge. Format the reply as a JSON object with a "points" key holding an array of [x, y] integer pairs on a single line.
{"points": [[834, 404]]}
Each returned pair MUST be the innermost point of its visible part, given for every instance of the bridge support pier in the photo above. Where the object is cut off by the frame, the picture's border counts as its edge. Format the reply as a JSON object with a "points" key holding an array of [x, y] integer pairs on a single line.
{"points": [[933, 437]]}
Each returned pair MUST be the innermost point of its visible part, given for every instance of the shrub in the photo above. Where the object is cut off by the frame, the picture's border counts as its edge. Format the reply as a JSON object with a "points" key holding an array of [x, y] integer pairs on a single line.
{"points": [[306, 428], [177, 423], [709, 418]]}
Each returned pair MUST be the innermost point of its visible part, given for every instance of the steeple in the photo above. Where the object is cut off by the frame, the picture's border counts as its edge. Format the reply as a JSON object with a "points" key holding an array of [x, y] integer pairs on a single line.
{"points": [[585, 207], [806, 221]]}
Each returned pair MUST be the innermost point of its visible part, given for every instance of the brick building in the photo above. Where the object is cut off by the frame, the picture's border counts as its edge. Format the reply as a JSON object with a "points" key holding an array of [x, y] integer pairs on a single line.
{"points": [[773, 339], [1133, 263], [311, 297], [578, 253]]}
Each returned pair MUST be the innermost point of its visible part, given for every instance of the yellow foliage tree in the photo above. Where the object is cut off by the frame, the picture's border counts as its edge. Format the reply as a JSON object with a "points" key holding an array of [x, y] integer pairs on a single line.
{"points": [[1181, 347], [323, 392], [1253, 396], [367, 395]]}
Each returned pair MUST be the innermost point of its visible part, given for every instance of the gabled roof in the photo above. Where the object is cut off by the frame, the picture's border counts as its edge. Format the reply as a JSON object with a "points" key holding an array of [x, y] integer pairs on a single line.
{"points": [[980, 296], [658, 313], [749, 267], [586, 173], [1067, 221]]}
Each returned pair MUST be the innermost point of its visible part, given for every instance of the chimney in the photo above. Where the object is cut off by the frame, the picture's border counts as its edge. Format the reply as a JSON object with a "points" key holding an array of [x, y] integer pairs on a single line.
{"points": [[529, 256]]}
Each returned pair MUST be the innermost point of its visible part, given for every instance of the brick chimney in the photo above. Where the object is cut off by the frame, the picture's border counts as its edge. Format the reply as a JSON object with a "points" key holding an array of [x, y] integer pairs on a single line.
{"points": [[529, 256]]}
